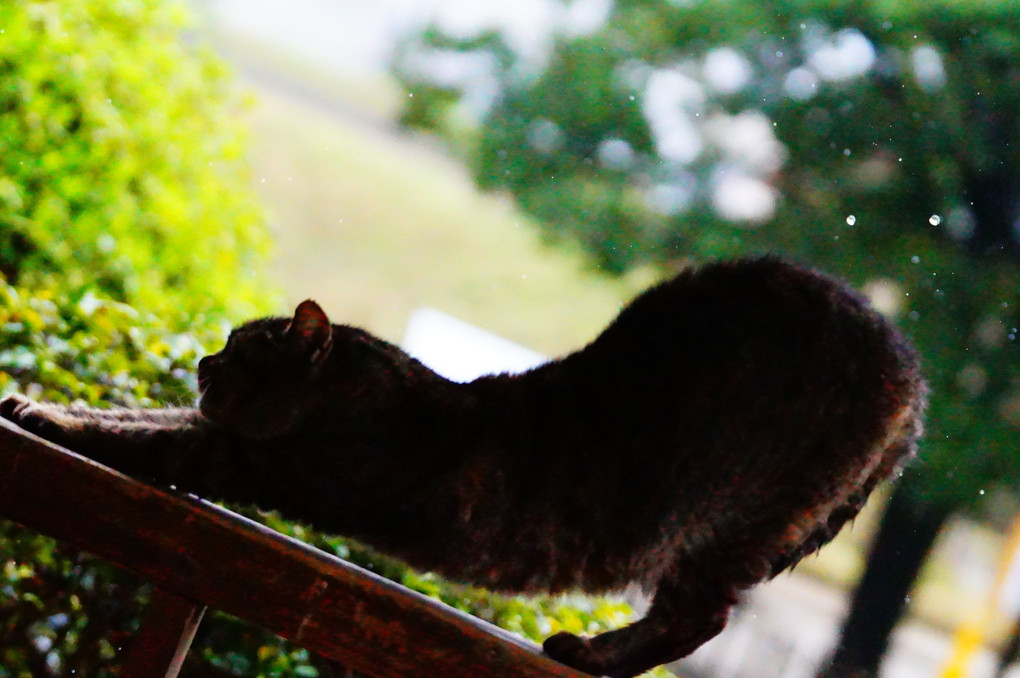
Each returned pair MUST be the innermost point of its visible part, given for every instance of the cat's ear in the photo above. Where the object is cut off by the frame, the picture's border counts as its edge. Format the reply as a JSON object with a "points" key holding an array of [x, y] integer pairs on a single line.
{"points": [[311, 331]]}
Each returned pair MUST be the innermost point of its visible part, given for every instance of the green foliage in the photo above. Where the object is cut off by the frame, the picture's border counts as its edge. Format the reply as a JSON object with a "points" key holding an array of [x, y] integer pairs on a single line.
{"points": [[121, 166], [63, 612], [122, 187], [66, 613], [65, 349], [870, 139]]}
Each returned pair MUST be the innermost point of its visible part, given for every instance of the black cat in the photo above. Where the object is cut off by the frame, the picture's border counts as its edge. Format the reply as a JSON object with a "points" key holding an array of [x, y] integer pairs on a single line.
{"points": [[726, 424]]}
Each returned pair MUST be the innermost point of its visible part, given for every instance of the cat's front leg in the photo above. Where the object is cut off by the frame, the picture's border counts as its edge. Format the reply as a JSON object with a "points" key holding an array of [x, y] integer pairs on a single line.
{"points": [[171, 416], [47, 419], [174, 447], [679, 621]]}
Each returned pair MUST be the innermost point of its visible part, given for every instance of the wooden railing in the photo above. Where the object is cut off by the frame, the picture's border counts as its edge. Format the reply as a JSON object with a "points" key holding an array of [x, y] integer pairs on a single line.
{"points": [[198, 554]]}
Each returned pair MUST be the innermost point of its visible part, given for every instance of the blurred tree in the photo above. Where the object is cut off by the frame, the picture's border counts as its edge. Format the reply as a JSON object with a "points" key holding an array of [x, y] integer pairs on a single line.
{"points": [[872, 139]]}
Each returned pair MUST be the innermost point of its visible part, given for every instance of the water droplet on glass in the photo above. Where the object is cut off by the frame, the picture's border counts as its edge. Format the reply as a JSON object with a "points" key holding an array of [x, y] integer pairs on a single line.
{"points": [[934, 220], [851, 220]]}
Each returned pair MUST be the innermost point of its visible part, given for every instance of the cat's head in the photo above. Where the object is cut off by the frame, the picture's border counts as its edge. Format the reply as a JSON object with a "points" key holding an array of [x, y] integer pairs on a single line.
{"points": [[263, 382]]}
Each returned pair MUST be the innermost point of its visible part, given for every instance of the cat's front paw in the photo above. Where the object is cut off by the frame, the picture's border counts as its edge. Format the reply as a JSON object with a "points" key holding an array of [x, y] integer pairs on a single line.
{"points": [[13, 406], [29, 415], [575, 652]]}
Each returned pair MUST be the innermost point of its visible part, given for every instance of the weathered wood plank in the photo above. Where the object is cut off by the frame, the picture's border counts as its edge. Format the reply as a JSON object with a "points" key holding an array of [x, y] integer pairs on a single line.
{"points": [[163, 639], [204, 553]]}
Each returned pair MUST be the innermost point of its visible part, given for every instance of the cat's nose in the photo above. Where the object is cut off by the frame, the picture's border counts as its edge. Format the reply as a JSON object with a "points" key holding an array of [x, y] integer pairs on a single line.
{"points": [[207, 363]]}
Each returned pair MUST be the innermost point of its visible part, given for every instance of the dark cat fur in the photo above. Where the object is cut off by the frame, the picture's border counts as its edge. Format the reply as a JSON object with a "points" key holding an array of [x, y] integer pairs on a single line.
{"points": [[726, 424]]}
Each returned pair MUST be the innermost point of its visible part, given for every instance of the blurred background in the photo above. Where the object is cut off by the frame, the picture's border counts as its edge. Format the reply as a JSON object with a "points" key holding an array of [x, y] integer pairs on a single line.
{"points": [[507, 175]]}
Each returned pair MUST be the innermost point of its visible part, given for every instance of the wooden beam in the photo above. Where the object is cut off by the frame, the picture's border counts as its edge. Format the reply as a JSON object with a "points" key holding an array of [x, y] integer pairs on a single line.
{"points": [[204, 553], [163, 639]]}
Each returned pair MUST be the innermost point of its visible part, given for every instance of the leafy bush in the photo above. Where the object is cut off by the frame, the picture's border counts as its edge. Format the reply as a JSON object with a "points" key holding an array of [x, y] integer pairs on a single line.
{"points": [[121, 160], [123, 186], [62, 610], [65, 611]]}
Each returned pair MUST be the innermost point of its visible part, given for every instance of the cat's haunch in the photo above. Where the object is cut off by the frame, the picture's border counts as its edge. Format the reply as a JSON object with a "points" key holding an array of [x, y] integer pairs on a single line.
{"points": [[726, 424]]}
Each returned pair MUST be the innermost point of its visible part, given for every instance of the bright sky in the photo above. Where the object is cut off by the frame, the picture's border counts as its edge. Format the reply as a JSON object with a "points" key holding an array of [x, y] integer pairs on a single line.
{"points": [[357, 34]]}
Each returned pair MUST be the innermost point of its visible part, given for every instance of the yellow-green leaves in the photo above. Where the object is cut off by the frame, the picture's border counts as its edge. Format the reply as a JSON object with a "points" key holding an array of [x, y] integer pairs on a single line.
{"points": [[121, 161]]}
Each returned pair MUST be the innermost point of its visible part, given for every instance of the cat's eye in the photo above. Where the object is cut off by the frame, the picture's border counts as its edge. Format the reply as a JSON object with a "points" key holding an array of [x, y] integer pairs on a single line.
{"points": [[274, 339]]}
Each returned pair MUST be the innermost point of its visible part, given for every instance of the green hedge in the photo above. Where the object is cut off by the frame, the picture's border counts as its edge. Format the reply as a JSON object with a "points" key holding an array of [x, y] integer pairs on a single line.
{"points": [[122, 160], [129, 236], [63, 612]]}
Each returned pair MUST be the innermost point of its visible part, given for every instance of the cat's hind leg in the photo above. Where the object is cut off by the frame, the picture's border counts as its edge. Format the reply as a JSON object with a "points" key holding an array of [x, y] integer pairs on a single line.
{"points": [[682, 617]]}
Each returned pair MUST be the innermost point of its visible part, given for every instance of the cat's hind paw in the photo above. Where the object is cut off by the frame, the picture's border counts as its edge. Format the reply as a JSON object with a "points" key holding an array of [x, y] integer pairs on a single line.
{"points": [[574, 651]]}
